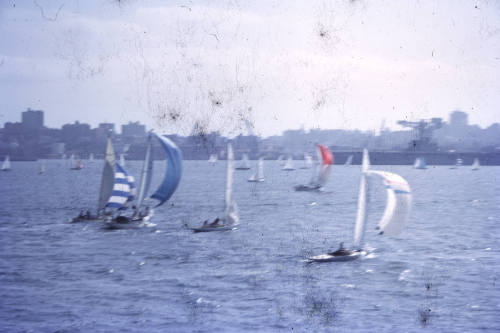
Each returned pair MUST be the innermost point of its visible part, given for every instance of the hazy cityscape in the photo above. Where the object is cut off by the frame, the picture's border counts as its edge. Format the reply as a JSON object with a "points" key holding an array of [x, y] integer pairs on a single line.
{"points": [[30, 139]]}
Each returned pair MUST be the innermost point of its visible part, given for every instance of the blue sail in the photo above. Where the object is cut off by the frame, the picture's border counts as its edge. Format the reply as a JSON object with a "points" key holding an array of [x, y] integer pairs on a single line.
{"points": [[173, 173], [121, 189]]}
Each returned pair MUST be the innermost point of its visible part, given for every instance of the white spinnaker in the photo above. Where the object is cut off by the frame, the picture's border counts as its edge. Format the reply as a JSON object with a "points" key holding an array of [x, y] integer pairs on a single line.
{"points": [[231, 210], [361, 216], [398, 206], [260, 169]]}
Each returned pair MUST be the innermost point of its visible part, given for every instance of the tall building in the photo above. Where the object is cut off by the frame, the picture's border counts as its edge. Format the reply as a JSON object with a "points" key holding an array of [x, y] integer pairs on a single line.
{"points": [[32, 120], [459, 119], [133, 129], [107, 127]]}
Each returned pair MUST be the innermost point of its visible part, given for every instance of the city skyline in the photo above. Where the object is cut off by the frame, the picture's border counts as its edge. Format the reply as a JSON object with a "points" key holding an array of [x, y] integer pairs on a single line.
{"points": [[225, 64]]}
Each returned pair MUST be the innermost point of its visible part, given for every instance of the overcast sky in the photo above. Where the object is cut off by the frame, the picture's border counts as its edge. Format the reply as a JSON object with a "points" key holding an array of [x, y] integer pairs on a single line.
{"points": [[271, 65]]}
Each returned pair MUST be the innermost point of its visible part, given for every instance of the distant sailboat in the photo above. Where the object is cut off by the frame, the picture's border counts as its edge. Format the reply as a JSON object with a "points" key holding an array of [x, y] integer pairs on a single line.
{"points": [[76, 165], [308, 162], [212, 159], [395, 216], [458, 163], [259, 176], [6, 164], [280, 160], [168, 186], [91, 157], [420, 163], [475, 164], [122, 160], [42, 167], [349, 161], [321, 172], [244, 163], [230, 217], [288, 165]]}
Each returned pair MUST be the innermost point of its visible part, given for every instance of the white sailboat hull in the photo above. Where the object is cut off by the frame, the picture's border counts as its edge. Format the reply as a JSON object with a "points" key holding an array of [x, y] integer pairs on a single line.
{"points": [[332, 258]]}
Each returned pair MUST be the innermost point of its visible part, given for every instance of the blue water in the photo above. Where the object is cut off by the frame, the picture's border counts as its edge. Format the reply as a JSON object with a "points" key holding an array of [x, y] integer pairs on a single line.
{"points": [[440, 275]]}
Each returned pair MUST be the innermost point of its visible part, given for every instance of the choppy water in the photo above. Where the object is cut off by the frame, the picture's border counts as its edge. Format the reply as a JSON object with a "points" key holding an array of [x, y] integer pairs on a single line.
{"points": [[440, 275]]}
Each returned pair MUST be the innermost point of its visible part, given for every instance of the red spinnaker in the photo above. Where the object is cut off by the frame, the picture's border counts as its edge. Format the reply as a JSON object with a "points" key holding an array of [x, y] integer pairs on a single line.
{"points": [[326, 155]]}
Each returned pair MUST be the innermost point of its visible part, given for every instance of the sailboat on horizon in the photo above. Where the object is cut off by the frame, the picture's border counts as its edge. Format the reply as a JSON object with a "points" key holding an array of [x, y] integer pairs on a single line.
{"points": [[348, 162], [142, 211], [397, 211], [259, 176], [420, 163], [321, 172], [6, 164], [458, 163], [230, 217], [308, 162], [244, 163], [42, 167], [212, 159], [76, 164], [475, 165], [288, 165]]}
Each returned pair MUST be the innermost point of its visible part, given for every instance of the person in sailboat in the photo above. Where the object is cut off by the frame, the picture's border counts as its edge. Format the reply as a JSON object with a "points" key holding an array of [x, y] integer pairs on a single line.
{"points": [[341, 251], [134, 211], [87, 214], [215, 223]]}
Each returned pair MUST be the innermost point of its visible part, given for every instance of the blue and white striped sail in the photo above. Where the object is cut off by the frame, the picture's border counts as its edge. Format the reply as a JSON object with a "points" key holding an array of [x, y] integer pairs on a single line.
{"points": [[121, 189], [173, 172], [397, 209]]}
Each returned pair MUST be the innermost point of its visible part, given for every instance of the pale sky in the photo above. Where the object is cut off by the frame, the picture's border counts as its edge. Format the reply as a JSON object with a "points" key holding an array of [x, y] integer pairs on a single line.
{"points": [[274, 64]]}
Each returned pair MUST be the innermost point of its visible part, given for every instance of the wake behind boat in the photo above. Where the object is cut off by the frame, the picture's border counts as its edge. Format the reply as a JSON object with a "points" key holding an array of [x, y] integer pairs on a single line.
{"points": [[230, 217], [321, 172], [395, 216]]}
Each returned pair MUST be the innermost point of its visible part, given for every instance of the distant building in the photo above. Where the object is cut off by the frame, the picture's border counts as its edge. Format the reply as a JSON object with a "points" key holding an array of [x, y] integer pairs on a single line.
{"points": [[107, 127], [32, 120], [133, 129], [459, 119], [74, 133]]}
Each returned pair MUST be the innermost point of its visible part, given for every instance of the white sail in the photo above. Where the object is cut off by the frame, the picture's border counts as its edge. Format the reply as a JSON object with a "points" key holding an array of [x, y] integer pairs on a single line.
{"points": [[6, 163], [349, 161], [475, 164], [122, 160], [289, 164], [398, 205], [361, 217], [231, 210], [419, 163], [213, 158], [260, 169], [108, 176], [91, 157], [42, 167], [146, 173], [72, 161]]}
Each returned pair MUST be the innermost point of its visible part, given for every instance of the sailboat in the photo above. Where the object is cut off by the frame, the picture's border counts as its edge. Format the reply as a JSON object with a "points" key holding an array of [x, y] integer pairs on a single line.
{"points": [[122, 160], [288, 165], [168, 186], [420, 163], [42, 167], [458, 163], [107, 184], [78, 165], [475, 164], [244, 163], [321, 172], [395, 216], [259, 176], [349, 161], [280, 160], [230, 218], [6, 164], [91, 157], [308, 162], [212, 159], [122, 193]]}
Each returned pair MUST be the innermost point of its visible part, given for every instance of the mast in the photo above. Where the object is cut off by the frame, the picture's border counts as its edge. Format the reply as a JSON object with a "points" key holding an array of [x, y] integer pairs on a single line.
{"points": [[108, 176], [361, 217], [229, 179], [147, 169]]}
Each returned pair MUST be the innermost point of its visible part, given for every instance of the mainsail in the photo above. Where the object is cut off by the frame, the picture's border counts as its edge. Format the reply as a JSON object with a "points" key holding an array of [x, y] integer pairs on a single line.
{"points": [[475, 164], [146, 174], [260, 169], [173, 173], [108, 176], [121, 189], [361, 216], [42, 167], [122, 160], [349, 161], [6, 164], [289, 164], [420, 163], [397, 209], [231, 209]]}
